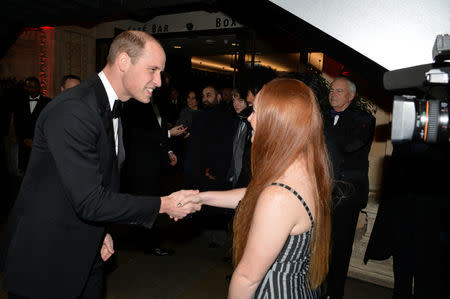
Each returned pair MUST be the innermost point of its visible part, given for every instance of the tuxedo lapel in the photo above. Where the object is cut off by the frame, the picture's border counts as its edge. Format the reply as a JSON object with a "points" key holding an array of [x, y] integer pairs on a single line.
{"points": [[121, 151], [105, 110], [40, 105]]}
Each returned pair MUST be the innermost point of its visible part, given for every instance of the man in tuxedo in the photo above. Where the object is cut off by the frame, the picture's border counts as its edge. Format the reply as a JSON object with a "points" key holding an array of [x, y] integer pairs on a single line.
{"points": [[349, 133], [26, 113], [146, 140], [55, 237]]}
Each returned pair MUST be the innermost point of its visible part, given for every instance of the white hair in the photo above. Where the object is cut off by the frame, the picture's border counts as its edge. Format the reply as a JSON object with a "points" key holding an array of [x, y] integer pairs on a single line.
{"points": [[351, 85]]}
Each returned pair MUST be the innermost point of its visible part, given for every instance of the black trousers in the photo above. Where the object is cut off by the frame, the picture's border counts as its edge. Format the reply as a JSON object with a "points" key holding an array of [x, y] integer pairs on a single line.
{"points": [[94, 285], [344, 219], [92, 290]]}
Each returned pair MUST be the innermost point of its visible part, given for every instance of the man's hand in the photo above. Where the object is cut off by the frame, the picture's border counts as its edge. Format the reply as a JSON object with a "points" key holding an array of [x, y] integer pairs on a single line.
{"points": [[28, 142], [173, 159], [177, 130], [171, 204], [107, 248], [195, 198]]}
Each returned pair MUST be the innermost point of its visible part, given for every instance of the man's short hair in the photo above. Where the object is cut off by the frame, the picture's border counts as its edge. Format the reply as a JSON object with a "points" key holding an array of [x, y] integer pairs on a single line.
{"points": [[351, 85], [67, 77], [33, 79], [216, 90], [131, 42]]}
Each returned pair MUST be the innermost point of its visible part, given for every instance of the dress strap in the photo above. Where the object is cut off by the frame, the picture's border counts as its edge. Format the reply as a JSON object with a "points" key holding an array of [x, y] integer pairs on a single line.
{"points": [[299, 197]]}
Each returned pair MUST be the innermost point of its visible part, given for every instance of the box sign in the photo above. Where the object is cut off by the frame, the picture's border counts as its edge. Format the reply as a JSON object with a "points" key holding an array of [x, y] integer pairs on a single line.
{"points": [[182, 22]]}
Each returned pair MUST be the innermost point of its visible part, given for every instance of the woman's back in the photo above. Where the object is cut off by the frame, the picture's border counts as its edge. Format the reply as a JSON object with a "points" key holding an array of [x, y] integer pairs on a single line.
{"points": [[288, 275]]}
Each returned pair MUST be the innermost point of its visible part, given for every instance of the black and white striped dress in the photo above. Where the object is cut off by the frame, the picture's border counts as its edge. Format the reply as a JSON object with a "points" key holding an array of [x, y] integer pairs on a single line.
{"points": [[288, 276]]}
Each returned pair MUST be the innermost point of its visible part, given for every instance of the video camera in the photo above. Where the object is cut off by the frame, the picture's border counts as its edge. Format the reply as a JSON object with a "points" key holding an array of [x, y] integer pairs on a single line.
{"points": [[422, 119]]}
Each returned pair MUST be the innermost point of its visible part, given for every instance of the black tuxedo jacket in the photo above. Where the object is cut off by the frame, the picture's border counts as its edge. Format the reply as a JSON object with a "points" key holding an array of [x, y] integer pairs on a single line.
{"points": [[146, 145], [348, 144], [25, 123], [24, 119], [70, 190], [210, 149]]}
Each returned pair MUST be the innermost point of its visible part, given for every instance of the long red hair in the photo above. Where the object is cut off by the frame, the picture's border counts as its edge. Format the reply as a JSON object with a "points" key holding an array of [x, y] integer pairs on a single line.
{"points": [[288, 126]]}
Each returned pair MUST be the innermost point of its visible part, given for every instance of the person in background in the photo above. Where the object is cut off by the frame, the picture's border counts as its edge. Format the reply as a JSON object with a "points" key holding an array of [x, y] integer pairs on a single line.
{"points": [[239, 102], [241, 142], [252, 82], [208, 159], [189, 115], [349, 132], [25, 114], [210, 144], [148, 158], [69, 81], [227, 98]]}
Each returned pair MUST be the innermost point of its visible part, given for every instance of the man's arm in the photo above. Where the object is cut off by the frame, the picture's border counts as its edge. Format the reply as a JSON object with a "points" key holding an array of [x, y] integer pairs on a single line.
{"points": [[73, 134]]}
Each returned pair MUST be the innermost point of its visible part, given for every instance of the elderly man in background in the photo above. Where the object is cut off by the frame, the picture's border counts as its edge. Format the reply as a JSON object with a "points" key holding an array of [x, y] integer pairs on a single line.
{"points": [[349, 132]]}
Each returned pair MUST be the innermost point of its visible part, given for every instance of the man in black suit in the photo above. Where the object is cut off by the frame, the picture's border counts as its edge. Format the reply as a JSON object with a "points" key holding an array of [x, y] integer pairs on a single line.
{"points": [[349, 132], [26, 113], [208, 159], [55, 237], [146, 140], [211, 144]]}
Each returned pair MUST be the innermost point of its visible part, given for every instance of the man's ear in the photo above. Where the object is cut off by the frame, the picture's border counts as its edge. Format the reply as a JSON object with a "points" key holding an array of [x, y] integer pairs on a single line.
{"points": [[219, 97], [123, 61]]}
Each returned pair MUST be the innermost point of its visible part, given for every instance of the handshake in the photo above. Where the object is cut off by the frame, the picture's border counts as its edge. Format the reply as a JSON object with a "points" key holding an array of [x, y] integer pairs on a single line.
{"points": [[180, 204], [177, 205]]}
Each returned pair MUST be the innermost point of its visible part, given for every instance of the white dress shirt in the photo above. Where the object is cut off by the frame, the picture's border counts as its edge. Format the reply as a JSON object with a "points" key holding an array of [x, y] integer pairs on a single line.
{"points": [[112, 97], [33, 103]]}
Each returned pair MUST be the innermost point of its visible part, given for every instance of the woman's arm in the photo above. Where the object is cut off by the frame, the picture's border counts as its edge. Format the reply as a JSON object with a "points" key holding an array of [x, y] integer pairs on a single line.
{"points": [[221, 199], [272, 223]]}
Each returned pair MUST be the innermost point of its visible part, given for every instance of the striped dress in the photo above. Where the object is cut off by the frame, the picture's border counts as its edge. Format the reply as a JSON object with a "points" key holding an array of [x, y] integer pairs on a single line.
{"points": [[288, 276]]}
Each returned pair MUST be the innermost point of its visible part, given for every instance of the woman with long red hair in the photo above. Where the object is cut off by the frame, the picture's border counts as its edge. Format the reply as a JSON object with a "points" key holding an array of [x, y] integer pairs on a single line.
{"points": [[282, 221]]}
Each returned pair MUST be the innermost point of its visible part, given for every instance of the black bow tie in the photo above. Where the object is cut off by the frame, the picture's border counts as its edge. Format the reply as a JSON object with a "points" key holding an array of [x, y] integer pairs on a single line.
{"points": [[34, 99], [117, 109], [333, 113]]}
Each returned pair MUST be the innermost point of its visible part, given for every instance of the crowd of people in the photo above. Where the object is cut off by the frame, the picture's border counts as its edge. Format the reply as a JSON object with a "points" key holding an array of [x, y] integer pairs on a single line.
{"points": [[290, 175]]}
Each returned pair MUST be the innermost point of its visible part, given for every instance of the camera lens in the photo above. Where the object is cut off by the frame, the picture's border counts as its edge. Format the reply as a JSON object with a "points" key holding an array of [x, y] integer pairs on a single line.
{"points": [[420, 120], [431, 121]]}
